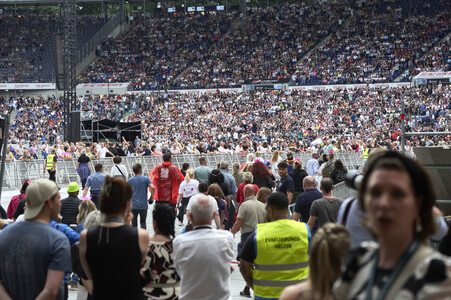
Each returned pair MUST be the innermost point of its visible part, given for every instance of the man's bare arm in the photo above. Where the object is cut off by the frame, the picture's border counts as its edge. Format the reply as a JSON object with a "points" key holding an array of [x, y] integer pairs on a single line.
{"points": [[237, 226], [4, 294], [52, 285], [311, 222]]}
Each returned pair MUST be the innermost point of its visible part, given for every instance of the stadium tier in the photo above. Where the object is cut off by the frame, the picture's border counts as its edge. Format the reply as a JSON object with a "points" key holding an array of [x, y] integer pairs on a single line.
{"points": [[350, 116], [308, 43]]}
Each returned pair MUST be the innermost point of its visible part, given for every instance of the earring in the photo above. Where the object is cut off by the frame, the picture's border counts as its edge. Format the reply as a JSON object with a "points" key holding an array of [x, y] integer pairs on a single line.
{"points": [[418, 227]]}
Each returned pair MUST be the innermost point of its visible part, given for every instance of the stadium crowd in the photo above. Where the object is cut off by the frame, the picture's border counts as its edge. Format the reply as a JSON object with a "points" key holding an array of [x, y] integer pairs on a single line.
{"points": [[228, 121], [155, 50], [370, 41], [27, 39], [267, 43]]}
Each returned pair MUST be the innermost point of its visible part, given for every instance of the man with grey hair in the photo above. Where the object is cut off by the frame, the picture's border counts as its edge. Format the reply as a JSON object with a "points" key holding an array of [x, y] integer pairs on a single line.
{"points": [[201, 247]]}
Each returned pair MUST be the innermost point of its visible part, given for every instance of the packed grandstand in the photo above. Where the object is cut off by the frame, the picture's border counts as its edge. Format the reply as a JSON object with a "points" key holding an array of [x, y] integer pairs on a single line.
{"points": [[311, 43]]}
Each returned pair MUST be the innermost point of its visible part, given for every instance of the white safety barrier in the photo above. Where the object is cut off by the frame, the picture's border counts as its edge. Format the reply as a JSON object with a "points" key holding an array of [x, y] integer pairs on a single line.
{"points": [[16, 172]]}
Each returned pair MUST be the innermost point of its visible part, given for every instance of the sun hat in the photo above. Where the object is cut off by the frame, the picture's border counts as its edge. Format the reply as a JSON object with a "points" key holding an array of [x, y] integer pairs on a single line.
{"points": [[37, 193], [73, 187]]}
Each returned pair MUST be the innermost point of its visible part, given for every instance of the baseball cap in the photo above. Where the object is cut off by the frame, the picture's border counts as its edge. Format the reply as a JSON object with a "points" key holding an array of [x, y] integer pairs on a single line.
{"points": [[37, 193], [73, 187]]}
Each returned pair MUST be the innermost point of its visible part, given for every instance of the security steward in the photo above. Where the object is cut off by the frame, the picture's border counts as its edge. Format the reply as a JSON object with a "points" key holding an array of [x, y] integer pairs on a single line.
{"points": [[50, 165], [276, 254]]}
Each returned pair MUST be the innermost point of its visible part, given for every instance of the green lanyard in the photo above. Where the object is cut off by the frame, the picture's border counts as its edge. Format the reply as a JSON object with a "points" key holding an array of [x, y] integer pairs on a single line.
{"points": [[406, 256]]}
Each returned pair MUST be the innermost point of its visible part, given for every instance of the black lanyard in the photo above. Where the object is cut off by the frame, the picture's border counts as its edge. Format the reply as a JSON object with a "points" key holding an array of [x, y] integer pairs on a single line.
{"points": [[406, 256]]}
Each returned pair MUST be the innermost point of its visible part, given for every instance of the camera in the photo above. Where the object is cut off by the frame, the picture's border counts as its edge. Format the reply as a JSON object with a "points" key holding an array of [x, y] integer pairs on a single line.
{"points": [[354, 179]]}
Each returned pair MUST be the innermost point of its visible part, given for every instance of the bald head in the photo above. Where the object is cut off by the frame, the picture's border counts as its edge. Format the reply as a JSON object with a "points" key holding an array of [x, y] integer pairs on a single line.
{"points": [[201, 211], [249, 190], [309, 182]]}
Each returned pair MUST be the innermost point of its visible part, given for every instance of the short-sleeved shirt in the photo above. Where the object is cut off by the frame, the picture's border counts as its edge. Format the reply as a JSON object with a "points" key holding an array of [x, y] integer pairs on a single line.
{"points": [[326, 210], [188, 189], [27, 251], [95, 182], [147, 152], [140, 185], [252, 212], [304, 202], [201, 173], [214, 205], [285, 185]]}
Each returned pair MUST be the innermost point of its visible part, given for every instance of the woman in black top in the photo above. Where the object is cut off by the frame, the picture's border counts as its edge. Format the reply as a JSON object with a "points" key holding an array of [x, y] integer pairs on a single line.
{"points": [[112, 253], [338, 172]]}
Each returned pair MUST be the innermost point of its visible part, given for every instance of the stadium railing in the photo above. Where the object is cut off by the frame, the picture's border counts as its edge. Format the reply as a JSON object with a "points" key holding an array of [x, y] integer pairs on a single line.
{"points": [[16, 172]]}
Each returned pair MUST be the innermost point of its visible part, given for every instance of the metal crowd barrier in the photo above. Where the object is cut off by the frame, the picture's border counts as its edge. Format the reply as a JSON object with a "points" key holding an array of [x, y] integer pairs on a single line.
{"points": [[16, 172]]}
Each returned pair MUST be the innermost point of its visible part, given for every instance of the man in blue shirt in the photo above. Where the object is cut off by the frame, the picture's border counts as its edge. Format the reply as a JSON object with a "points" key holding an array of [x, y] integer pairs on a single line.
{"points": [[140, 184], [305, 200], [95, 182]]}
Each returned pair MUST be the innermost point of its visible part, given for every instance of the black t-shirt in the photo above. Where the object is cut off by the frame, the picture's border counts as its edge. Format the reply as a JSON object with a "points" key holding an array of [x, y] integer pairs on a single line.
{"points": [[112, 150], [285, 185], [147, 152]]}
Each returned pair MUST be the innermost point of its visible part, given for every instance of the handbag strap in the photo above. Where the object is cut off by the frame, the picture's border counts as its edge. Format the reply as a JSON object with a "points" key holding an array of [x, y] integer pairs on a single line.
{"points": [[408, 270], [346, 213], [120, 171]]}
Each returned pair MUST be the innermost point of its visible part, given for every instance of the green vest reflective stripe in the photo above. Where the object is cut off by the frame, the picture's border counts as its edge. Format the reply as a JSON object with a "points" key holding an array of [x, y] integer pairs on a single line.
{"points": [[50, 161], [366, 152], [282, 257]]}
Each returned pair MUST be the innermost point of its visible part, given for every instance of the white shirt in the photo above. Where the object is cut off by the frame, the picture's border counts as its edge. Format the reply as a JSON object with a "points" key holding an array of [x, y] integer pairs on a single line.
{"points": [[115, 171], [102, 152], [188, 189], [214, 205], [199, 248]]}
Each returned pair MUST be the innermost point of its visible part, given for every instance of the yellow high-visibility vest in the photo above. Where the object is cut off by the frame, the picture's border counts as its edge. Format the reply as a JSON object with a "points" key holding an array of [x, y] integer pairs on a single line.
{"points": [[366, 152], [50, 161], [282, 257]]}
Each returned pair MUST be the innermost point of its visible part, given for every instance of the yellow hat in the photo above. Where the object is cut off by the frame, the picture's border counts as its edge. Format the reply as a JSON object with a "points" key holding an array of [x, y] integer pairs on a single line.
{"points": [[73, 187]]}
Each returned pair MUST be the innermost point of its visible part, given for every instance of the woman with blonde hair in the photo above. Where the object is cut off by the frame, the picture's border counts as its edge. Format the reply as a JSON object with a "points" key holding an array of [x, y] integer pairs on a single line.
{"points": [[84, 209], [329, 247], [247, 178], [187, 188], [275, 160], [237, 174]]}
